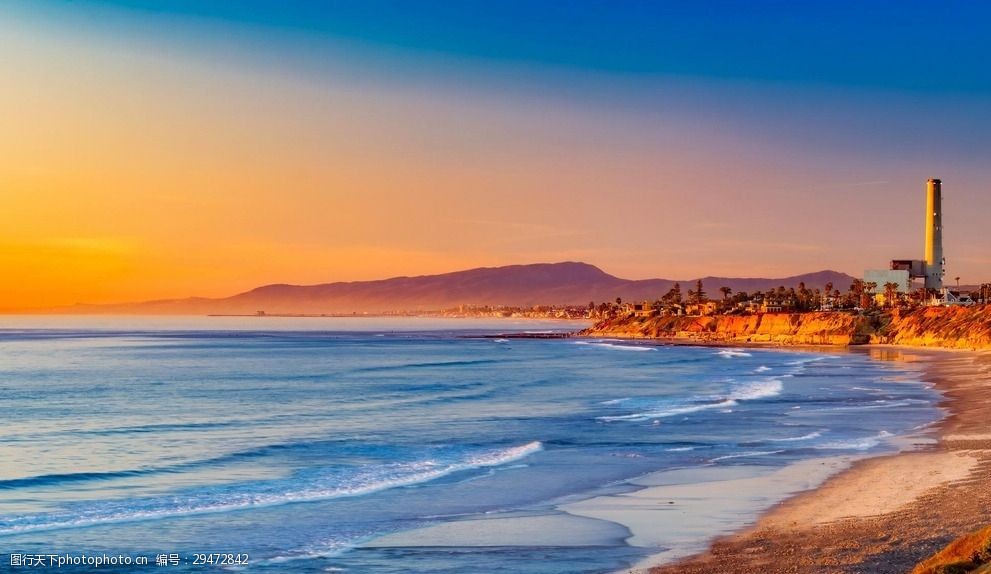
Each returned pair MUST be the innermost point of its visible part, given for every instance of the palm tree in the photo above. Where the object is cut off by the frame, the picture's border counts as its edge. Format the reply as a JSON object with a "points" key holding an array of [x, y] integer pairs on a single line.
{"points": [[857, 292], [726, 292], [890, 293], [870, 287]]}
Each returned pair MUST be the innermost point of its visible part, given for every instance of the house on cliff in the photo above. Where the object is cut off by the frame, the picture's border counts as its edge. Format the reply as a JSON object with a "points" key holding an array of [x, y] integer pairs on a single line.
{"points": [[702, 309], [645, 309]]}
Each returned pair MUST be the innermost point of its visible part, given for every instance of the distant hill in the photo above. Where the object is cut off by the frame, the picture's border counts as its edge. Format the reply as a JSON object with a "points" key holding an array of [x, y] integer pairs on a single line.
{"points": [[520, 285]]}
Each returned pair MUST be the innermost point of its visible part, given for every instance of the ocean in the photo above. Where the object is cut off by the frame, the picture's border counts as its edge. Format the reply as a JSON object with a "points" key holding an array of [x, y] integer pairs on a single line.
{"points": [[393, 445]]}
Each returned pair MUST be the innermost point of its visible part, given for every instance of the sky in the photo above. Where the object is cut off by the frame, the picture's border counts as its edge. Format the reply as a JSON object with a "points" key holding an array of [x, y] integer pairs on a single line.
{"points": [[167, 148]]}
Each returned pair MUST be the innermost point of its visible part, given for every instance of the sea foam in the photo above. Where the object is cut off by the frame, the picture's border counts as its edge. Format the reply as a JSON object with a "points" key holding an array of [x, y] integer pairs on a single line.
{"points": [[750, 391], [365, 480], [732, 353], [605, 345], [757, 390], [860, 444]]}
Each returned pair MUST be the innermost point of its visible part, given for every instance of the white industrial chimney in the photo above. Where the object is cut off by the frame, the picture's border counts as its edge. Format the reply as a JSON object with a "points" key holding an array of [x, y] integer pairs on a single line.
{"points": [[934, 234]]}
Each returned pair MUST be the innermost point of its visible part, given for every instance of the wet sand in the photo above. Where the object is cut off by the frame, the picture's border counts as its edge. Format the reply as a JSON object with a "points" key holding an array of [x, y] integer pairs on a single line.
{"points": [[885, 514]]}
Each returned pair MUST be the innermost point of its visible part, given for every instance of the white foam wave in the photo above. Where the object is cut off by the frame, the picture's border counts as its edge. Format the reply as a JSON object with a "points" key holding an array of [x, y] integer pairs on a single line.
{"points": [[668, 412], [809, 436], [680, 449], [731, 353], [615, 346], [382, 477], [327, 549], [757, 390], [500, 340], [880, 404], [860, 444], [744, 392], [807, 360], [762, 369], [746, 454], [614, 401]]}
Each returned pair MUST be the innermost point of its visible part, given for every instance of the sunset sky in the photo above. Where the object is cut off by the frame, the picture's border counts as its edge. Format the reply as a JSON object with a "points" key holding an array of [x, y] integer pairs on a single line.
{"points": [[166, 148]]}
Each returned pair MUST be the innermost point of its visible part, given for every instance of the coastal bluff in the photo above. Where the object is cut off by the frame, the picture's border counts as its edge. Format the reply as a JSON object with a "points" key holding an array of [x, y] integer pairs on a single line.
{"points": [[938, 327]]}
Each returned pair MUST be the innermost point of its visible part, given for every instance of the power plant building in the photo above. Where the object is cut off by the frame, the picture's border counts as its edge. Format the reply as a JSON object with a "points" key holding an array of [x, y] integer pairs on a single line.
{"points": [[931, 267]]}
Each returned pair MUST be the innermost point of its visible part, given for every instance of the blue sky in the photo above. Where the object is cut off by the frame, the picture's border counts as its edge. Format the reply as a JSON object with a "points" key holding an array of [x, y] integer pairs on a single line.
{"points": [[923, 46]]}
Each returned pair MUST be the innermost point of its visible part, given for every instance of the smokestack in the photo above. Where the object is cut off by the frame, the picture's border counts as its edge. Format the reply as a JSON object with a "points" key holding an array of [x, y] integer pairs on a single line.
{"points": [[934, 234]]}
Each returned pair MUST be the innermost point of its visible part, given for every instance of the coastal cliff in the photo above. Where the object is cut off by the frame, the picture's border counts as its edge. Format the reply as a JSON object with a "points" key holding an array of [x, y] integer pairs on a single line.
{"points": [[781, 328], [944, 327]]}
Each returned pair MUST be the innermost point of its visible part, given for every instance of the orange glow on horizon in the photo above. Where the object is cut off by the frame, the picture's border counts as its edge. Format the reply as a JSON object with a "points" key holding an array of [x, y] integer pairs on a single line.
{"points": [[130, 175]]}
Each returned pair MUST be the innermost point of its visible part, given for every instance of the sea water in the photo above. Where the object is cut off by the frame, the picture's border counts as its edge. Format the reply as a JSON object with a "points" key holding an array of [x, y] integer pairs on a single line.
{"points": [[299, 443]]}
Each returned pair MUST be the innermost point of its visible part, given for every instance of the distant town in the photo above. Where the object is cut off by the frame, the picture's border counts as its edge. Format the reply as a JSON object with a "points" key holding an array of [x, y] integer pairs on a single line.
{"points": [[859, 296]]}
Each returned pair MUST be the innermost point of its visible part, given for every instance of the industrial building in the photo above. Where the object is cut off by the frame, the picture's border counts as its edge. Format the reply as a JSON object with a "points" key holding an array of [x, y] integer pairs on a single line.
{"points": [[931, 268]]}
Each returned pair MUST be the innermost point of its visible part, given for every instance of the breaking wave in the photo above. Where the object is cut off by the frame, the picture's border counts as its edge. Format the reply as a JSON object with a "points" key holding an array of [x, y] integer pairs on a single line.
{"points": [[325, 485], [616, 346], [743, 392]]}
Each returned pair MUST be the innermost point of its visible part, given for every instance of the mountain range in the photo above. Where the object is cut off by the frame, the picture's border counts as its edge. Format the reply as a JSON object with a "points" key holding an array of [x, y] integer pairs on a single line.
{"points": [[514, 285]]}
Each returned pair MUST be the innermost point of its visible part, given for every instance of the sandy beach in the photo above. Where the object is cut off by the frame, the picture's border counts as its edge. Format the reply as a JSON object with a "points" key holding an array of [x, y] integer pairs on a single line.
{"points": [[883, 514]]}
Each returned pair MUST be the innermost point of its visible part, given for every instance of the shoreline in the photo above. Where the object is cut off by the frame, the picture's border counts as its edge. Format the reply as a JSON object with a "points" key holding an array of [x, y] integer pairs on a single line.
{"points": [[683, 510], [882, 514], [682, 514]]}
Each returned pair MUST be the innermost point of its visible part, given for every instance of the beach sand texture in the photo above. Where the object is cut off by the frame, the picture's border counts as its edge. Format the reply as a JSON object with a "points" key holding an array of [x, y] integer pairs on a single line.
{"points": [[882, 515]]}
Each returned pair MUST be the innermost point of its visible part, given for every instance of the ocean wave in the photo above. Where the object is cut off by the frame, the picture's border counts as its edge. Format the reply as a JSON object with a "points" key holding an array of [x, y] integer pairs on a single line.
{"points": [[60, 478], [614, 401], [762, 369], [733, 353], [425, 365], [616, 346], [325, 485], [798, 366], [757, 390], [809, 436], [750, 391], [668, 412], [807, 360], [301, 447], [879, 404], [324, 549], [868, 389], [746, 454], [860, 444]]}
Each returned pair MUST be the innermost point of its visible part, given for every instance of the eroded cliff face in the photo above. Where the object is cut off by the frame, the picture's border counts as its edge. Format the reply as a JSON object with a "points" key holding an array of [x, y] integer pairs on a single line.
{"points": [[780, 328], [944, 327]]}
